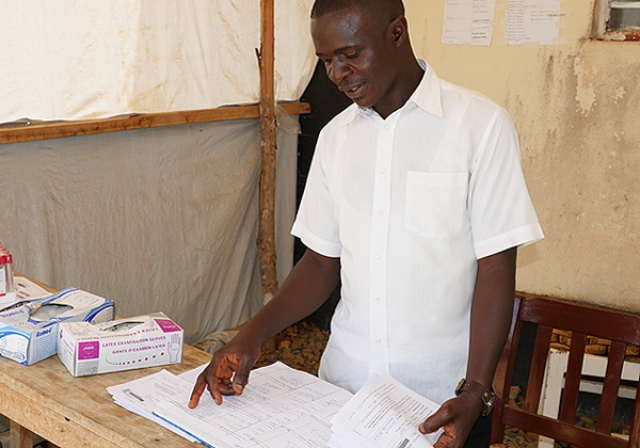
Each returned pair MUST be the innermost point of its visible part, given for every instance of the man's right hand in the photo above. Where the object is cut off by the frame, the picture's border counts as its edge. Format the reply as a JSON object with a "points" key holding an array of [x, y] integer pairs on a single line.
{"points": [[308, 285], [228, 371]]}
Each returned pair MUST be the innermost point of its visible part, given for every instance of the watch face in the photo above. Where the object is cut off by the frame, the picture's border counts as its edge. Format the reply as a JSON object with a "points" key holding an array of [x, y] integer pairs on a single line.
{"points": [[489, 399]]}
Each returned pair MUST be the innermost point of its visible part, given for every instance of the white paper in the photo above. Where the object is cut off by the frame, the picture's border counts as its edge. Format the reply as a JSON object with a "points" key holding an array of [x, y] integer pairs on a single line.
{"points": [[383, 414], [192, 375], [532, 21], [280, 407], [26, 291], [141, 395], [468, 22]]}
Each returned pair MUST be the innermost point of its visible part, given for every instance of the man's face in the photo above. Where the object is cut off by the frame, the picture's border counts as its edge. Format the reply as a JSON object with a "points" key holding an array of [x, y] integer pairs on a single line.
{"points": [[356, 52]]}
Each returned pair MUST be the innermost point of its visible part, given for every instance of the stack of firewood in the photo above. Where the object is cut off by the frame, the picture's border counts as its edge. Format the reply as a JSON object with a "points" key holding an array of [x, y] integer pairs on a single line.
{"points": [[299, 346], [561, 340]]}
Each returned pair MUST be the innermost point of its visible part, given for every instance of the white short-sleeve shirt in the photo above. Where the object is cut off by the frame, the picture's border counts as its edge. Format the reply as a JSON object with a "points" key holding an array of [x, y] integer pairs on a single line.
{"points": [[409, 204]]}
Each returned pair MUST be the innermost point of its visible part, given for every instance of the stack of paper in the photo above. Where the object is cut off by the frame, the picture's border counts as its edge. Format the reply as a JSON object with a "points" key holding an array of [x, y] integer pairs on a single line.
{"points": [[383, 414], [283, 407], [280, 407], [140, 396]]}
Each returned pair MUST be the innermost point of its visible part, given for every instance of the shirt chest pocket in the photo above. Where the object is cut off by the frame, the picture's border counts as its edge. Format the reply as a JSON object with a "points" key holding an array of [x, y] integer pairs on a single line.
{"points": [[435, 204]]}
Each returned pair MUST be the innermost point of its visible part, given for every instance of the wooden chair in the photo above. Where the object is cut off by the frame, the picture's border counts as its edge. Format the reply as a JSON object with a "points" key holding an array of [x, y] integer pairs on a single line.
{"points": [[620, 328]]}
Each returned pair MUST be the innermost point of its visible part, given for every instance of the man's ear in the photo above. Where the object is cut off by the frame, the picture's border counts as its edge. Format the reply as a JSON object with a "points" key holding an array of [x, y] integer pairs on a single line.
{"points": [[399, 30]]}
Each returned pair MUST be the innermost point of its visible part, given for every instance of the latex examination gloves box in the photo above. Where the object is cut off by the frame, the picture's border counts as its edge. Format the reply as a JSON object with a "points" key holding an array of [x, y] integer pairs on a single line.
{"points": [[124, 344], [28, 332]]}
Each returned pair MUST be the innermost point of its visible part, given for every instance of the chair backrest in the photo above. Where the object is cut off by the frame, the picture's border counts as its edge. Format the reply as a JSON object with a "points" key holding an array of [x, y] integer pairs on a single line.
{"points": [[620, 328]]}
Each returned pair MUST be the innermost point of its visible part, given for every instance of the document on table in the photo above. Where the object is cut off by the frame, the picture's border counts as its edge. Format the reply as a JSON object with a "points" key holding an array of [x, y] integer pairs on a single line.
{"points": [[280, 407], [383, 414], [140, 396], [284, 408]]}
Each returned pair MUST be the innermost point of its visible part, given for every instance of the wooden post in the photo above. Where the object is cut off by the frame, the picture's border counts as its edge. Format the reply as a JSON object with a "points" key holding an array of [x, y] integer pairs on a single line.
{"points": [[266, 230], [20, 437]]}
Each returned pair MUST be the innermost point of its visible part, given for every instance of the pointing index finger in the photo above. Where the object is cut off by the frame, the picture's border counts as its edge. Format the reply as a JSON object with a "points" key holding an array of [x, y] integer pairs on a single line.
{"points": [[198, 390]]}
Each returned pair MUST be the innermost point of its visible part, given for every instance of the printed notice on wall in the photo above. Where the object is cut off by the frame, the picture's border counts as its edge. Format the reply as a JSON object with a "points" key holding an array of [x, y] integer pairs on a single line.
{"points": [[532, 21], [468, 22]]}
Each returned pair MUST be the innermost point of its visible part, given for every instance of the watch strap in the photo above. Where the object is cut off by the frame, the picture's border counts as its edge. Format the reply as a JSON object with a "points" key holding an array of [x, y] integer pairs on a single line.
{"points": [[487, 395]]}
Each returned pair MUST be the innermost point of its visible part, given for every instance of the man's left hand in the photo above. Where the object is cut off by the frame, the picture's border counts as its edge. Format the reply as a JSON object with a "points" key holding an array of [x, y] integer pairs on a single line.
{"points": [[456, 416]]}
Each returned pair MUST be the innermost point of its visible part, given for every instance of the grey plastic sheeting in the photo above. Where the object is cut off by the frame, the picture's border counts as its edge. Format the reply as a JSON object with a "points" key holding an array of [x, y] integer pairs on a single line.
{"points": [[161, 219]]}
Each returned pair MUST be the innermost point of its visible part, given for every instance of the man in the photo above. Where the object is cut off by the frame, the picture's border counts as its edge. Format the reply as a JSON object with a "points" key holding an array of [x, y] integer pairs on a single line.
{"points": [[416, 201]]}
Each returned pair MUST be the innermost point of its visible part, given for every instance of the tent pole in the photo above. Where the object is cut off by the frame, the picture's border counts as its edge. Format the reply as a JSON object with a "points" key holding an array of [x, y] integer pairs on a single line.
{"points": [[266, 229]]}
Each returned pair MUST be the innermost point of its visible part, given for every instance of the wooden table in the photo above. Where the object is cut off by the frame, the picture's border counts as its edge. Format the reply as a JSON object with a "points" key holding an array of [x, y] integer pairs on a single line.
{"points": [[79, 412]]}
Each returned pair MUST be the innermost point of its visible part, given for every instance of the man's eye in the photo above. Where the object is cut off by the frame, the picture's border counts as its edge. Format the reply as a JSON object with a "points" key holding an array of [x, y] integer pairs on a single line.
{"points": [[352, 55]]}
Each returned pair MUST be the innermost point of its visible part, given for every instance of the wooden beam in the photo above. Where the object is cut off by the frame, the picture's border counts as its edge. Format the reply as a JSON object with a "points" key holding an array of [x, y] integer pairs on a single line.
{"points": [[60, 129], [266, 229]]}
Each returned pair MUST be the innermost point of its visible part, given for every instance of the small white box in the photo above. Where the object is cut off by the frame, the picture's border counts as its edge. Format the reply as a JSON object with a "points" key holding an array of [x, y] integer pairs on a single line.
{"points": [[28, 332], [134, 343]]}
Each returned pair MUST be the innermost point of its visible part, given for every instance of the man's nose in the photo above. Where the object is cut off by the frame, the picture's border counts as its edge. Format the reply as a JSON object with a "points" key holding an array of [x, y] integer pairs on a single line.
{"points": [[337, 71]]}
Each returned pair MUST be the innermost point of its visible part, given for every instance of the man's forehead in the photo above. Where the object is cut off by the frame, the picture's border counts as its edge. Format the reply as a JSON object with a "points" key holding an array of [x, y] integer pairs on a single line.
{"points": [[383, 9], [334, 38], [341, 24], [345, 15]]}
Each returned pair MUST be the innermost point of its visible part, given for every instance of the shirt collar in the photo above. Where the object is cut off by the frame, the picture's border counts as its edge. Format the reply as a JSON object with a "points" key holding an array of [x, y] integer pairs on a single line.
{"points": [[426, 96]]}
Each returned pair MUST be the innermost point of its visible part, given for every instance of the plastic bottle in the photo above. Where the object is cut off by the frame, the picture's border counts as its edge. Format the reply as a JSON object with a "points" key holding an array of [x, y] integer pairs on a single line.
{"points": [[7, 290]]}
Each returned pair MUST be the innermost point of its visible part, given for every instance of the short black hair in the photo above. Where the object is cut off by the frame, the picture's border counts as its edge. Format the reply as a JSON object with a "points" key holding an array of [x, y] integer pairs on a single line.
{"points": [[390, 9]]}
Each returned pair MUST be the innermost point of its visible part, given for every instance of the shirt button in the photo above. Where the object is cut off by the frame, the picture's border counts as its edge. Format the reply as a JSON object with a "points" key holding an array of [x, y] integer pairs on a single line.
{"points": [[386, 128], [377, 256], [383, 170], [378, 342], [376, 301], [381, 213]]}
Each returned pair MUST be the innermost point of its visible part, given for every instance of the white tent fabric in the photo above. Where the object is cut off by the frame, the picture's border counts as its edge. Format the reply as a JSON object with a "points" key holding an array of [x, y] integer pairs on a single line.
{"points": [[162, 219], [73, 59]]}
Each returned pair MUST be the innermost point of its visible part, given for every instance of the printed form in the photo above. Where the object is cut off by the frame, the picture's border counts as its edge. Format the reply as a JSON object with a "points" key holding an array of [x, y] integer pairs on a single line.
{"points": [[284, 408], [280, 408], [468, 22], [140, 396], [533, 21], [383, 414]]}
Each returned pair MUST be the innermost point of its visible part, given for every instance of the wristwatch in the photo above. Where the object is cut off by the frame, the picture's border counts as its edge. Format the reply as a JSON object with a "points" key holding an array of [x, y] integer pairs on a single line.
{"points": [[488, 396]]}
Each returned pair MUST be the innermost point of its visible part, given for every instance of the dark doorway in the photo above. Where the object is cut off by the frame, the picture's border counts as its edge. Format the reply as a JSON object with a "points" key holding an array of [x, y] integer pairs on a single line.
{"points": [[326, 102]]}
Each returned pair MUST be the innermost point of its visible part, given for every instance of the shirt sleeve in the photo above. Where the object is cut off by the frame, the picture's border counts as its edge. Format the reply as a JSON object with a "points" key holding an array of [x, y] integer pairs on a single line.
{"points": [[502, 214], [315, 223]]}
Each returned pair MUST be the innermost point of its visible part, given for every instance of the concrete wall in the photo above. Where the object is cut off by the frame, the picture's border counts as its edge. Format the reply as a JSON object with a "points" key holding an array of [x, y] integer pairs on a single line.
{"points": [[576, 105]]}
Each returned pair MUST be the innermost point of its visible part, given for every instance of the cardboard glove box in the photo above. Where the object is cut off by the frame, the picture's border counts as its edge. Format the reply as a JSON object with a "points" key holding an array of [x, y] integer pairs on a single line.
{"points": [[28, 332], [124, 344]]}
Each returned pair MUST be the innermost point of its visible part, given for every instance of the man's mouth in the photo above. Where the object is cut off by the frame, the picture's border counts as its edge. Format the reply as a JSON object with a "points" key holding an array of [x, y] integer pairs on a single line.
{"points": [[352, 90]]}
